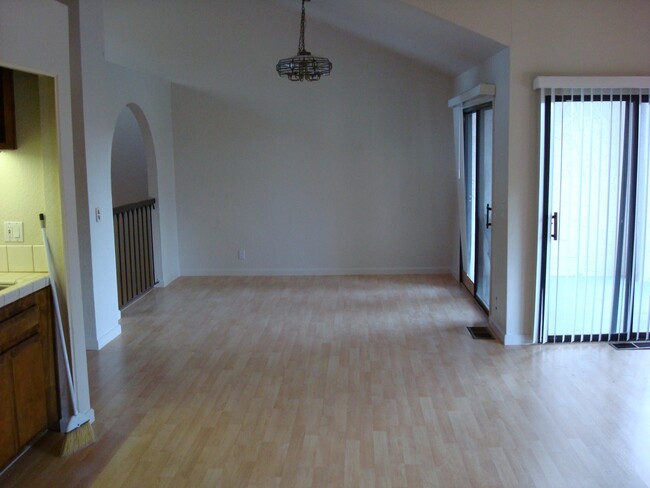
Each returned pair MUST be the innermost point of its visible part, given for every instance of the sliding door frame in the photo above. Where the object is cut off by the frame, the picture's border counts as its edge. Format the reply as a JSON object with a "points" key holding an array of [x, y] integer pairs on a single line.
{"points": [[475, 109], [624, 282]]}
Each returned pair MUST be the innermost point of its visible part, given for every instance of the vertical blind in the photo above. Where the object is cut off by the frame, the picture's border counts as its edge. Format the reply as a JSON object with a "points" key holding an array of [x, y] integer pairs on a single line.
{"points": [[595, 259]]}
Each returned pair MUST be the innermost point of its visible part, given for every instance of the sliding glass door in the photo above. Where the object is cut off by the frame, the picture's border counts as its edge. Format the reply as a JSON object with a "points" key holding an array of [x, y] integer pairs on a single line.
{"points": [[478, 127], [595, 257]]}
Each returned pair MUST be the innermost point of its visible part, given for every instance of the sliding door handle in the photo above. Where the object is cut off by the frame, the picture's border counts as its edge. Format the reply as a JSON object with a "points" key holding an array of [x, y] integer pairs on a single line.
{"points": [[554, 224], [488, 212]]}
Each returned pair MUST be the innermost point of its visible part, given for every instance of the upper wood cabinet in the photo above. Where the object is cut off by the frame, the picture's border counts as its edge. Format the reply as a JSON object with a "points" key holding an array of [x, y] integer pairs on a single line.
{"points": [[7, 110]]}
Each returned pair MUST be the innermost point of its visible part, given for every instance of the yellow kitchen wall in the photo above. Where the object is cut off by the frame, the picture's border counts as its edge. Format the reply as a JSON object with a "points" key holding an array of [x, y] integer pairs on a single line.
{"points": [[29, 175], [51, 181], [21, 170]]}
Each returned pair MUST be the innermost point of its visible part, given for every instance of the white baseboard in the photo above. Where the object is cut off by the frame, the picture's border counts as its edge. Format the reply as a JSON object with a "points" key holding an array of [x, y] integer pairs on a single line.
{"points": [[313, 271], [97, 344], [162, 283], [517, 340], [496, 329], [506, 338]]}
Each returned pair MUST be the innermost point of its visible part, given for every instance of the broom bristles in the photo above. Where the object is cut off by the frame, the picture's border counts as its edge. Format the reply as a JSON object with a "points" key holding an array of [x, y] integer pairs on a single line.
{"points": [[77, 439]]}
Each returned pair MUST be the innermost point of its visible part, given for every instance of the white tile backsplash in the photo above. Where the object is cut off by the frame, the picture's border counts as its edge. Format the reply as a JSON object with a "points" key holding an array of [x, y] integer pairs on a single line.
{"points": [[4, 266], [40, 261], [20, 259]]}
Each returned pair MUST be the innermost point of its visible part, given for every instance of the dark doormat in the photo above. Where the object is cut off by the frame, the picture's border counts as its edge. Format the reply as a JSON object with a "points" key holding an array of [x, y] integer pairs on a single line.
{"points": [[480, 333], [630, 345]]}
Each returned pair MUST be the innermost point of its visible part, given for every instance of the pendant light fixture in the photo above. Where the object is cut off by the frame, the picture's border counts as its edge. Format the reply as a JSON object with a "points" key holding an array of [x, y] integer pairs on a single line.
{"points": [[304, 66]]}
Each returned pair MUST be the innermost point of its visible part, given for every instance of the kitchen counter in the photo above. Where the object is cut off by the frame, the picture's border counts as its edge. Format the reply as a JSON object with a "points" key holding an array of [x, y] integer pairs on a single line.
{"points": [[14, 286]]}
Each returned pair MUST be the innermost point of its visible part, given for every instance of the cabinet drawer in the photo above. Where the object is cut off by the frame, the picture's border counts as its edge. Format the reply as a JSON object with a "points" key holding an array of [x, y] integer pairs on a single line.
{"points": [[19, 328]]}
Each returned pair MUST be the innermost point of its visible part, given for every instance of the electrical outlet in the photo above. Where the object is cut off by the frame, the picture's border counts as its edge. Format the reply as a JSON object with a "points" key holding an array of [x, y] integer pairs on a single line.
{"points": [[14, 232]]}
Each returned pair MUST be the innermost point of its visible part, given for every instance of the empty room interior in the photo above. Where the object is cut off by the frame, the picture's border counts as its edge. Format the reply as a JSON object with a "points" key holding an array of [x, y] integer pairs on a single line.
{"points": [[324, 243]]}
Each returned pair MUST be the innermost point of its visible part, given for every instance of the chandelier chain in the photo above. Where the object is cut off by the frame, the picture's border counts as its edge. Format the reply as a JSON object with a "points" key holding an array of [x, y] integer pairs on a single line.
{"points": [[301, 42]]}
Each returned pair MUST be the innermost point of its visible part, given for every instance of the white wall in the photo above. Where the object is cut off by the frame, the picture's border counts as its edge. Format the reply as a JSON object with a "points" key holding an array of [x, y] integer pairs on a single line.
{"points": [[348, 177], [107, 90], [128, 161], [351, 174]]}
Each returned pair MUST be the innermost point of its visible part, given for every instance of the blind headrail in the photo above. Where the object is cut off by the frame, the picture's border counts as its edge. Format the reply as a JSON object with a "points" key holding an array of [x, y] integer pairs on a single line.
{"points": [[133, 206], [588, 82]]}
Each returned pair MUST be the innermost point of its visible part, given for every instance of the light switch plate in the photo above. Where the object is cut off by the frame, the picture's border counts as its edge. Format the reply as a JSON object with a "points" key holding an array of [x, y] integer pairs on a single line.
{"points": [[14, 232]]}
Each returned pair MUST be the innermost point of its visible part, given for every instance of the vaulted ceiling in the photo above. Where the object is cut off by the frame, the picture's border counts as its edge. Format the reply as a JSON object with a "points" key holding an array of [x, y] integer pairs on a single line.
{"points": [[149, 35]]}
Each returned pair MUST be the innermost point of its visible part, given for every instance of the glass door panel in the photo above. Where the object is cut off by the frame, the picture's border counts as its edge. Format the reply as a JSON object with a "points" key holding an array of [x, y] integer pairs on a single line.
{"points": [[478, 127], [585, 163], [470, 198], [484, 207]]}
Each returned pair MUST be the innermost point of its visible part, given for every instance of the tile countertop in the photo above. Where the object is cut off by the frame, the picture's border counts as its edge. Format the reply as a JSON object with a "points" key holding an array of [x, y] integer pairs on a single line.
{"points": [[14, 286]]}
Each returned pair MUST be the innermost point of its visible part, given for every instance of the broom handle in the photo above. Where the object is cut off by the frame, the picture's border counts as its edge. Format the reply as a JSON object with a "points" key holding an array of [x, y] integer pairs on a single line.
{"points": [[57, 310]]}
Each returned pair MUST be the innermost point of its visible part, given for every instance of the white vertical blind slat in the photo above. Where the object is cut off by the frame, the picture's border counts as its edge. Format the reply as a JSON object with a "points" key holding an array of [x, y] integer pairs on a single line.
{"points": [[557, 166], [644, 131], [577, 110], [619, 157], [590, 281], [609, 131], [640, 244]]}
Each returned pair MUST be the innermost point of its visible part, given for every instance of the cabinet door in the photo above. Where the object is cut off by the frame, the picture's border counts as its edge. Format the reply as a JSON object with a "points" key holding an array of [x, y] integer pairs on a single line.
{"points": [[7, 414], [29, 388]]}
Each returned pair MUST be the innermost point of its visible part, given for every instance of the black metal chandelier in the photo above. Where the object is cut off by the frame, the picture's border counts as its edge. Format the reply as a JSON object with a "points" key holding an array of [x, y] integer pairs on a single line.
{"points": [[304, 66]]}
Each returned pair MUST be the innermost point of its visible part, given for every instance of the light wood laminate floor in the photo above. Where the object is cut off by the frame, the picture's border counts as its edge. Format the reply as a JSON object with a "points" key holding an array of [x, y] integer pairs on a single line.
{"points": [[346, 382]]}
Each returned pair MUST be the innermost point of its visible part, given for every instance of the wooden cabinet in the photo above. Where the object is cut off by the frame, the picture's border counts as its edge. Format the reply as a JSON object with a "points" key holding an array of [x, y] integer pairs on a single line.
{"points": [[7, 110], [8, 445], [28, 393]]}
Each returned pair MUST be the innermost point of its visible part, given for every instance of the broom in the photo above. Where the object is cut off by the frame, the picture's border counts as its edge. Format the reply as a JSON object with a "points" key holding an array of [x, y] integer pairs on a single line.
{"points": [[79, 432]]}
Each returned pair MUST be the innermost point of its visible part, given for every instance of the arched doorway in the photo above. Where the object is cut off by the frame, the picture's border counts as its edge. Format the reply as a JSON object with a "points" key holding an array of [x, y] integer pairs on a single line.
{"points": [[134, 192]]}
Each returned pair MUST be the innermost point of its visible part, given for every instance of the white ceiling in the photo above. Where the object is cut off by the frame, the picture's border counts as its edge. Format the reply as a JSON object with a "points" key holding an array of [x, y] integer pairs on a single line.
{"points": [[402, 28]]}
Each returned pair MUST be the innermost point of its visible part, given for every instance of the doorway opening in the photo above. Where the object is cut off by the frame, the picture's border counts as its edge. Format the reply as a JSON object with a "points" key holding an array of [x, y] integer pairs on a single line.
{"points": [[135, 222], [33, 400]]}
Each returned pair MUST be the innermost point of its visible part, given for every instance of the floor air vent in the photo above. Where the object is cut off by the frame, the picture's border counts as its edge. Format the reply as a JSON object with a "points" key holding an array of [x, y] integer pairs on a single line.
{"points": [[630, 345], [480, 333]]}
